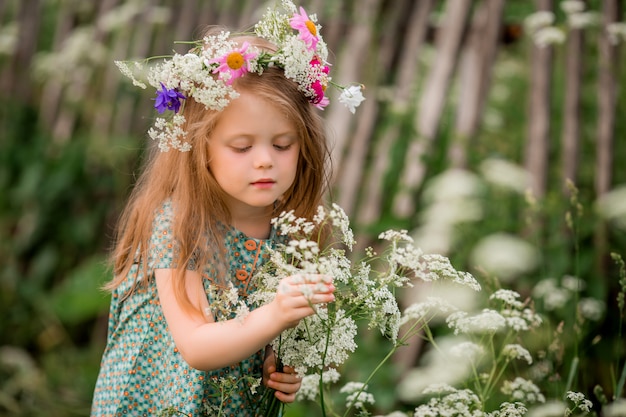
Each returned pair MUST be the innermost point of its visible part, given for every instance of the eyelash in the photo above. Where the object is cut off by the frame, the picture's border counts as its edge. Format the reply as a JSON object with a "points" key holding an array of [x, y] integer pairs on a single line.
{"points": [[277, 147]]}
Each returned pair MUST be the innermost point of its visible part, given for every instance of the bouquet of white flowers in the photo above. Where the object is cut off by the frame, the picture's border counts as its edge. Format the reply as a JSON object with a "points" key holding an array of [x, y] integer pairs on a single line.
{"points": [[365, 291]]}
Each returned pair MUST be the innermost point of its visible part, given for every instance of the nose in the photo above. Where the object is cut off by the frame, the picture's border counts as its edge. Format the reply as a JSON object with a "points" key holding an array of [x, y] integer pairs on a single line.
{"points": [[263, 157]]}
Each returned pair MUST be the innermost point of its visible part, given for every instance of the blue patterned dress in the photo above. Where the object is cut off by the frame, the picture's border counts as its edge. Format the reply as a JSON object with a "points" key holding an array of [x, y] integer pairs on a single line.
{"points": [[142, 372]]}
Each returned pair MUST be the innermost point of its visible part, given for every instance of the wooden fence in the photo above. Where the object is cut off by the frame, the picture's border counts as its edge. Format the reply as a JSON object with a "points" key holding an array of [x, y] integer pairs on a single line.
{"points": [[56, 56]]}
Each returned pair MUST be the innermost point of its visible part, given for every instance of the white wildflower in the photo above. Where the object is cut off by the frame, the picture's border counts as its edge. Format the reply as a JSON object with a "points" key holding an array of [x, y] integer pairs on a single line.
{"points": [[515, 351], [309, 387], [612, 205], [8, 38], [572, 6], [128, 72], [357, 395], [538, 20], [341, 222], [553, 296], [304, 349], [255, 385], [396, 236], [438, 266], [505, 174], [516, 409], [436, 369], [573, 284], [469, 350], [487, 321], [170, 134], [505, 256], [352, 97], [548, 36], [457, 403], [616, 32], [579, 400], [582, 20], [523, 390], [591, 308], [439, 388], [425, 310], [509, 297]]}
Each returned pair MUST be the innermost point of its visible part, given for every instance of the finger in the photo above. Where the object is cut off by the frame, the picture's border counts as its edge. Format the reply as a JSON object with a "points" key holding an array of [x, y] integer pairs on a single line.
{"points": [[289, 369], [284, 387], [285, 378], [286, 398]]}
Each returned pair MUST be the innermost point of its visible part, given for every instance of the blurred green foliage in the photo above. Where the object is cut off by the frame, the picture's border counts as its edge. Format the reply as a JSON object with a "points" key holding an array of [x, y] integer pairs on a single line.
{"points": [[58, 205]]}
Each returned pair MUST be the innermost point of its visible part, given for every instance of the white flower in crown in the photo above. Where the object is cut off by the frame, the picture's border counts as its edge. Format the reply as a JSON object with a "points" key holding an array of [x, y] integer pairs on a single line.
{"points": [[207, 72]]}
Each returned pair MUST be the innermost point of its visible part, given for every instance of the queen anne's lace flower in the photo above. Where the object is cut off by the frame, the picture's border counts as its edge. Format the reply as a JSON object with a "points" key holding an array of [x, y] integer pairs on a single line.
{"points": [[207, 72], [523, 390]]}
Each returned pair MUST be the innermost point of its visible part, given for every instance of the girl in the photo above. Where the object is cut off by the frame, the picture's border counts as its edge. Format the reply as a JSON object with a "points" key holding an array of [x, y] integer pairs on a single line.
{"points": [[245, 143]]}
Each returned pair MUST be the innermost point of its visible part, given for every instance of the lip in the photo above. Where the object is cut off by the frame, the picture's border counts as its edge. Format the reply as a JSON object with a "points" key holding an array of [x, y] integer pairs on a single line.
{"points": [[264, 183]]}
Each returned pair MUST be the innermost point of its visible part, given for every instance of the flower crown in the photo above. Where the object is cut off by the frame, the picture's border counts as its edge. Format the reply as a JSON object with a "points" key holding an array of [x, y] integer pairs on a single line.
{"points": [[208, 70]]}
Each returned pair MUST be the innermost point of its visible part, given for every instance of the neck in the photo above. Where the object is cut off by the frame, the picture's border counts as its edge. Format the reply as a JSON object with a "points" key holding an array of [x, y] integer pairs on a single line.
{"points": [[254, 223]]}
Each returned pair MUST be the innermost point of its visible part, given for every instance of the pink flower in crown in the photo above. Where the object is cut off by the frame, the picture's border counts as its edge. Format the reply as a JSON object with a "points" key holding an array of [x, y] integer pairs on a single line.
{"points": [[306, 27], [236, 63], [318, 86]]}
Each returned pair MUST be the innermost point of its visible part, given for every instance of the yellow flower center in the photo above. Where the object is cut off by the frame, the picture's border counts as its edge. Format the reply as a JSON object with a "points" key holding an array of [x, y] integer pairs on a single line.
{"points": [[311, 27], [234, 60]]}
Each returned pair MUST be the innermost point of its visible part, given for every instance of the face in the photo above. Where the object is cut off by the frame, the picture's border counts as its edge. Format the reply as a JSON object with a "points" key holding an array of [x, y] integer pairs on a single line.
{"points": [[253, 153]]}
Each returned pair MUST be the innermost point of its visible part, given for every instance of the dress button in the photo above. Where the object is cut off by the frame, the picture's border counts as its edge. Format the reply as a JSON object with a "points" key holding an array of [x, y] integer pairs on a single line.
{"points": [[250, 244], [241, 275]]}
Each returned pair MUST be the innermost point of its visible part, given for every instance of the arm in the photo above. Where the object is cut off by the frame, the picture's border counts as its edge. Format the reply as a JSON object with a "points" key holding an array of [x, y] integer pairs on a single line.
{"points": [[206, 345]]}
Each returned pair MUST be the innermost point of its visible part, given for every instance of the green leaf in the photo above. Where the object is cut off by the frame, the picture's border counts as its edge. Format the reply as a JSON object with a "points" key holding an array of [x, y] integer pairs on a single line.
{"points": [[80, 296]]}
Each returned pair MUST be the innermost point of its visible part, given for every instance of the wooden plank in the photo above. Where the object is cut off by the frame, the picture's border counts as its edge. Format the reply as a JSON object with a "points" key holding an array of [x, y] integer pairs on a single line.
{"points": [[432, 102], [475, 77], [538, 126], [404, 91], [449, 43], [607, 89], [350, 67], [570, 136]]}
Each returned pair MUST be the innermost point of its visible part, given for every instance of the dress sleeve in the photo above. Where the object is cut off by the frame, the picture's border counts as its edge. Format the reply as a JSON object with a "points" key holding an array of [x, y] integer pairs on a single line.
{"points": [[163, 252]]}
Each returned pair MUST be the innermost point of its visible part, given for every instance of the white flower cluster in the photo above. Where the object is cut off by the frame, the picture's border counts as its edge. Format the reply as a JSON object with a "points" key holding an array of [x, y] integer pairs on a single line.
{"points": [[170, 134], [357, 395], [424, 311], [616, 32], [225, 303], [322, 341], [515, 351], [365, 291], [539, 26], [579, 401], [523, 390], [451, 402]]}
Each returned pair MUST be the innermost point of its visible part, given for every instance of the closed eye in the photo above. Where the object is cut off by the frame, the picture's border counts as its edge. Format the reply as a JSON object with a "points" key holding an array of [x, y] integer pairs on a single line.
{"points": [[282, 147], [241, 149]]}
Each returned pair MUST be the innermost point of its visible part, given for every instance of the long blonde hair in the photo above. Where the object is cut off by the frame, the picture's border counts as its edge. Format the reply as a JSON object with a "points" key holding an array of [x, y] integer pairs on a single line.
{"points": [[198, 200]]}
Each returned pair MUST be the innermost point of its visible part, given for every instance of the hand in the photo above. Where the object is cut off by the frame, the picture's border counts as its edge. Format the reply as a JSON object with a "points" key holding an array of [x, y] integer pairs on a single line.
{"points": [[297, 294], [286, 383]]}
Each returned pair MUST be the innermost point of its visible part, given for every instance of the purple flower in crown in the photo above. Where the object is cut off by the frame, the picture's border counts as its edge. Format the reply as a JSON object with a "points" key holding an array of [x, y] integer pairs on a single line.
{"points": [[306, 27], [235, 63], [168, 99]]}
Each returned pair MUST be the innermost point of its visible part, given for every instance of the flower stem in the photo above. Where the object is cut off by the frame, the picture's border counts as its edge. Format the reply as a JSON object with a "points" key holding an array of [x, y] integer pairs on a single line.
{"points": [[572, 372], [371, 375]]}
